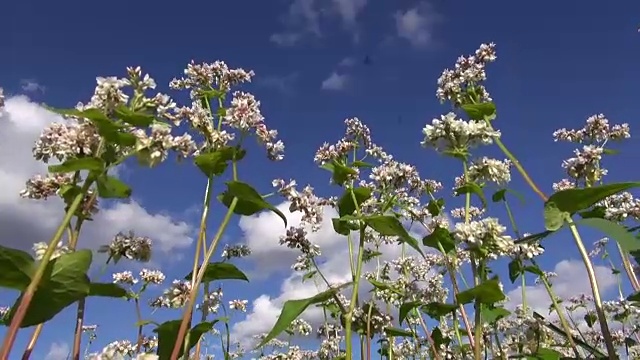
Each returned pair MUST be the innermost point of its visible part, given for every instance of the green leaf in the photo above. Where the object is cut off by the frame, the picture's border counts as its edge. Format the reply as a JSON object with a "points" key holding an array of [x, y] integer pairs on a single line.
{"points": [[501, 195], [110, 187], [341, 172], [293, 308], [134, 118], [472, 188], [439, 338], [168, 336], [487, 293], [435, 207], [406, 308], [554, 218], [72, 165], [16, 268], [214, 163], [384, 286], [309, 275], [619, 233], [391, 331], [440, 237], [515, 269], [220, 271], [249, 200], [65, 282], [634, 297], [545, 354], [341, 226], [109, 130], [107, 290], [436, 310], [590, 319], [390, 226], [362, 164], [346, 204], [486, 110], [574, 200], [491, 315]]}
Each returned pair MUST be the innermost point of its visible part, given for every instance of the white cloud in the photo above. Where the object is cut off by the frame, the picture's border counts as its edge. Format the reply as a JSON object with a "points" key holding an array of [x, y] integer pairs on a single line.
{"points": [[347, 62], [416, 24], [25, 221], [282, 83], [571, 281], [304, 17], [58, 351], [31, 86], [335, 81]]}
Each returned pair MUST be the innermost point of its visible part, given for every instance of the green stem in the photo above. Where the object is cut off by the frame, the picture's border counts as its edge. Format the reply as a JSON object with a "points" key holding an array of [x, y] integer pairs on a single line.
{"points": [[354, 296], [559, 310], [591, 274], [192, 298]]}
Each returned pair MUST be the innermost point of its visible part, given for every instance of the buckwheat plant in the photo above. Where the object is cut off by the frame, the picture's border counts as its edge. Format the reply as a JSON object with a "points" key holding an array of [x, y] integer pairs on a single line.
{"points": [[119, 122], [425, 256]]}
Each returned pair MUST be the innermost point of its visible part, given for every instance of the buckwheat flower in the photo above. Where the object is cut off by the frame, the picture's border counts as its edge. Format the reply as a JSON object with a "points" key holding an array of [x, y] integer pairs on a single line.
{"points": [[91, 331], [563, 184], [155, 277], [74, 138], [129, 246], [176, 296], [139, 82], [474, 212], [468, 72], [487, 234], [585, 166], [159, 142], [490, 170], [526, 251], [117, 350], [597, 130], [125, 277], [302, 263], [39, 187], [202, 76], [211, 302], [451, 133], [240, 305], [296, 238], [244, 114], [235, 251], [620, 206], [108, 93], [40, 248], [300, 327], [547, 275], [598, 247], [311, 206]]}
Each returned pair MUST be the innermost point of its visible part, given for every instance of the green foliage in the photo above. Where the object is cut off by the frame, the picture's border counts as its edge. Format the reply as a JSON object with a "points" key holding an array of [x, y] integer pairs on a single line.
{"points": [[352, 199], [78, 164], [65, 282], [214, 163], [220, 271], [168, 336], [440, 237], [488, 293], [391, 226], [249, 200], [16, 268], [480, 111], [293, 308], [472, 188], [110, 187]]}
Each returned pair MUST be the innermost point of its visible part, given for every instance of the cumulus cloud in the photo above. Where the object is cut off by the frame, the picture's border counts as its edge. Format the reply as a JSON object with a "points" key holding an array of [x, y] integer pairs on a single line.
{"points": [[24, 221], [304, 18], [347, 62], [335, 82], [58, 351], [571, 281], [416, 24]]}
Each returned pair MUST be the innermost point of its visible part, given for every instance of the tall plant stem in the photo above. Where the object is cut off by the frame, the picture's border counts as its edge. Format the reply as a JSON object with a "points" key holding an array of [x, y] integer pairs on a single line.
{"points": [[628, 268], [354, 297], [604, 327], [27, 296], [186, 317]]}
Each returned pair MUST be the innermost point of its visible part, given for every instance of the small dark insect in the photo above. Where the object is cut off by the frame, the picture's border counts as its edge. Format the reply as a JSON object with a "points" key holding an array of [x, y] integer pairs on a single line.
{"points": [[367, 60]]}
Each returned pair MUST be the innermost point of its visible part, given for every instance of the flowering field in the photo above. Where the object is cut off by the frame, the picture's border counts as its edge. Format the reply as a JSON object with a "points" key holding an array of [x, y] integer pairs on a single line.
{"points": [[442, 294]]}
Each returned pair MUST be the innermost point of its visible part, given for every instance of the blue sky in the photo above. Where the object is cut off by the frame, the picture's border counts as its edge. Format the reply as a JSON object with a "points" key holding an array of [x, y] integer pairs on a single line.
{"points": [[558, 63]]}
